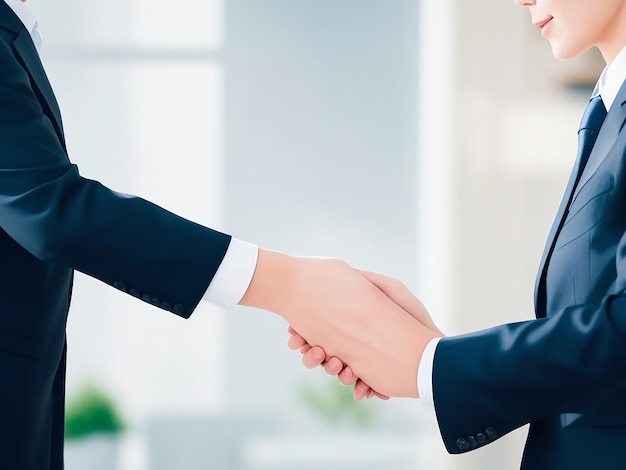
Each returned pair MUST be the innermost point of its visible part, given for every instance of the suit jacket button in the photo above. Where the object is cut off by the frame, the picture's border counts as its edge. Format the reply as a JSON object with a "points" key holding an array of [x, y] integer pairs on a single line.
{"points": [[481, 438], [491, 433], [120, 285], [178, 309], [462, 444], [135, 293], [471, 440]]}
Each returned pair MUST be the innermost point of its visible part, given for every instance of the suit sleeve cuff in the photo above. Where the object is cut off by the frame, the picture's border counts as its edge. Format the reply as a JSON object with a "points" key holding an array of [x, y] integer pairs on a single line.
{"points": [[425, 375], [233, 277]]}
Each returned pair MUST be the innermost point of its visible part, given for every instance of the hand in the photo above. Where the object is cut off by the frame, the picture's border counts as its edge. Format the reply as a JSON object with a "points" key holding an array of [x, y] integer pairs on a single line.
{"points": [[403, 297], [315, 356], [339, 308]]}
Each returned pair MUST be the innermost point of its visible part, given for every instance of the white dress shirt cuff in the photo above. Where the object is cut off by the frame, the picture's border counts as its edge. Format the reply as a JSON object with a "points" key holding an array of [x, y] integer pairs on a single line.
{"points": [[232, 279], [425, 375]]}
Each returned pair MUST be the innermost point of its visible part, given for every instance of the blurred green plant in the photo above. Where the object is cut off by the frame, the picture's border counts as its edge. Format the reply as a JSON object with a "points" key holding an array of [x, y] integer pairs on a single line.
{"points": [[90, 412], [333, 403]]}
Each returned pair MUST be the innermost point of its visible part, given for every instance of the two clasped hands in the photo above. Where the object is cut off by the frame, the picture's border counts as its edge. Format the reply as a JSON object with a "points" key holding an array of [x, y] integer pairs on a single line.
{"points": [[366, 328]]}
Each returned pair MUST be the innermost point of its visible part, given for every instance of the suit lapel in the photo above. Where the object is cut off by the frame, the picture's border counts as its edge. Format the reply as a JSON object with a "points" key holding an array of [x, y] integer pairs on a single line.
{"points": [[556, 225], [25, 48], [8, 19], [607, 138]]}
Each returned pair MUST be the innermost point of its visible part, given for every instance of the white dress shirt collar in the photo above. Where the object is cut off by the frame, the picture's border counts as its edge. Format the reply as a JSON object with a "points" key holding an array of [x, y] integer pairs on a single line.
{"points": [[28, 18], [611, 80]]}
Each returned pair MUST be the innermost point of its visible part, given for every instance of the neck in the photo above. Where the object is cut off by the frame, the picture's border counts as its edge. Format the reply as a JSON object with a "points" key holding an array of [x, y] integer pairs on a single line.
{"points": [[613, 38], [610, 52]]}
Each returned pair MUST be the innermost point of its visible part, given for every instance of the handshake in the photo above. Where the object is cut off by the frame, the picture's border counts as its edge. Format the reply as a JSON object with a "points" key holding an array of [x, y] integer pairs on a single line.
{"points": [[364, 327]]}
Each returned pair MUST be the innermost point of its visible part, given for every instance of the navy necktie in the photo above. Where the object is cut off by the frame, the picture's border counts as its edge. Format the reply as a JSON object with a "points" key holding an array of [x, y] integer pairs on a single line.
{"points": [[590, 124]]}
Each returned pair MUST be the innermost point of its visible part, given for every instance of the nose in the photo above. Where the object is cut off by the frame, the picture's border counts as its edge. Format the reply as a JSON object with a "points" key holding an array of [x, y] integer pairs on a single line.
{"points": [[525, 3]]}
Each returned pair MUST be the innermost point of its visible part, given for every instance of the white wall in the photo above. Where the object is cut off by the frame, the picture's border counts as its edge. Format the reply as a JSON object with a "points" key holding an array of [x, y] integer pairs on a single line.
{"points": [[298, 126], [288, 124], [142, 102]]}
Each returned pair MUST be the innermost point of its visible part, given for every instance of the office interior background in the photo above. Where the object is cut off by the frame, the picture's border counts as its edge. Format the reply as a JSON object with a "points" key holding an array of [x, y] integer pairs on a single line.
{"points": [[429, 141]]}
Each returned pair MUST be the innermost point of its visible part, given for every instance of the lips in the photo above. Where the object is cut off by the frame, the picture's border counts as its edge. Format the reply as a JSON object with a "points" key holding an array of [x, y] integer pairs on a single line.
{"points": [[543, 22]]}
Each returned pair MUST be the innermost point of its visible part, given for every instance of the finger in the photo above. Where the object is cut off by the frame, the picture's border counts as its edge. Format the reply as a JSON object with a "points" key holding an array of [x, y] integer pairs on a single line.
{"points": [[380, 395], [305, 348], [295, 341], [313, 357], [360, 391], [347, 377], [333, 366]]}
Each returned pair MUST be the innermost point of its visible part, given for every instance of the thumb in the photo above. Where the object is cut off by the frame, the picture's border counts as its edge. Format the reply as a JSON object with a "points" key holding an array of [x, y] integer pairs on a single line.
{"points": [[403, 297]]}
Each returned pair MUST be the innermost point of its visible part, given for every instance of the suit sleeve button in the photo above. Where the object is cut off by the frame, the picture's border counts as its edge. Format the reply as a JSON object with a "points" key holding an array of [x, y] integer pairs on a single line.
{"points": [[178, 309], [471, 440], [135, 293], [462, 444], [120, 285], [166, 305], [151, 300], [481, 438], [491, 433]]}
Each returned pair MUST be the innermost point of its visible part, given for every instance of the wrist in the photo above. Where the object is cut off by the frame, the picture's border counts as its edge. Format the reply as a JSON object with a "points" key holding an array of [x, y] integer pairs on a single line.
{"points": [[270, 282]]}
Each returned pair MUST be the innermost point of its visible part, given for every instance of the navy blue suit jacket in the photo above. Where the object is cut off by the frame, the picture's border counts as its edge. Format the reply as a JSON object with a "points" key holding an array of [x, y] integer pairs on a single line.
{"points": [[564, 372], [53, 221]]}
